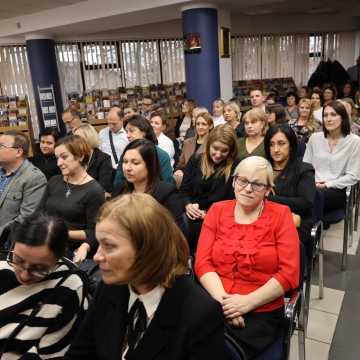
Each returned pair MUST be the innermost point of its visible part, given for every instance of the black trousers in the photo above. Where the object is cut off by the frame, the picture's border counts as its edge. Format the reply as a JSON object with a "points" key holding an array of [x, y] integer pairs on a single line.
{"points": [[327, 200], [261, 330]]}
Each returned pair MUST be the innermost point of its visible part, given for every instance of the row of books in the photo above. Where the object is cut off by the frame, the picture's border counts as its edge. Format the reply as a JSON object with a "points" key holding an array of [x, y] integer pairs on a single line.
{"points": [[13, 111], [94, 104]]}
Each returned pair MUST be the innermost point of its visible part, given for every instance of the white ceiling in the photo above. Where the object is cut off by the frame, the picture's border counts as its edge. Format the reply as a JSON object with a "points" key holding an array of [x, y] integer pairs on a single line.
{"points": [[13, 8]]}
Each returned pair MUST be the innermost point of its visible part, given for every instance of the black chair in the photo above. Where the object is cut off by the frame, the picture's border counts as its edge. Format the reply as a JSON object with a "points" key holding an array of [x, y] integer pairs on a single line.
{"points": [[334, 217], [233, 351]]}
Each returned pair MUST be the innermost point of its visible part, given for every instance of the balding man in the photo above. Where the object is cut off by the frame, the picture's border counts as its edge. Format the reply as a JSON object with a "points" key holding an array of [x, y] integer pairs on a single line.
{"points": [[113, 139]]}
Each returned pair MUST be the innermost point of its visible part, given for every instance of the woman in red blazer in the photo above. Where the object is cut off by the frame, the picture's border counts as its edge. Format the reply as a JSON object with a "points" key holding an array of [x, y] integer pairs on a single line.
{"points": [[143, 258], [248, 257]]}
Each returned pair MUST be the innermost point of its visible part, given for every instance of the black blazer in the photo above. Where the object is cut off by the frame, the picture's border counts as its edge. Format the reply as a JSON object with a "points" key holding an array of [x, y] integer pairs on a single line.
{"points": [[187, 325], [167, 195], [101, 170]]}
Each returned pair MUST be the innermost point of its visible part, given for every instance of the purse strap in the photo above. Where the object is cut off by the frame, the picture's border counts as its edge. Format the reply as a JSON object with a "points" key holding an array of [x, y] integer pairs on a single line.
{"points": [[113, 147]]}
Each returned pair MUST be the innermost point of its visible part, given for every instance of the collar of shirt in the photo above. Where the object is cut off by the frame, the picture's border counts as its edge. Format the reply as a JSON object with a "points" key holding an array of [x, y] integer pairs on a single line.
{"points": [[151, 299], [121, 131]]}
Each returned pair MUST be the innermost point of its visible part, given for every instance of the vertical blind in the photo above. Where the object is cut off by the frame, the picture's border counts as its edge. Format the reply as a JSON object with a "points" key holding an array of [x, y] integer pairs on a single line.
{"points": [[15, 78]]}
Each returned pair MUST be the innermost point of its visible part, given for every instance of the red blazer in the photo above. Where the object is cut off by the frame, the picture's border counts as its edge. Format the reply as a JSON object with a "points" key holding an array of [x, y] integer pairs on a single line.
{"points": [[246, 256]]}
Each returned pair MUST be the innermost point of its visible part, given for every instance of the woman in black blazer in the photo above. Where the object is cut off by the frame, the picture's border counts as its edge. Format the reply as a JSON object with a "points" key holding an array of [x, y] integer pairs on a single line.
{"points": [[143, 258], [294, 179], [99, 166], [142, 173]]}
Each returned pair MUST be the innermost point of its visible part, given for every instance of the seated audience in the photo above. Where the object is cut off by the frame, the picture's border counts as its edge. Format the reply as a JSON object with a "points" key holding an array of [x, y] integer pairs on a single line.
{"points": [[146, 307], [248, 257], [353, 114], [207, 178], [137, 127], [347, 91], [203, 125], [74, 196], [304, 92], [329, 94], [276, 114], [316, 106], [232, 116], [196, 112], [334, 153], [99, 166], [257, 98], [218, 112], [294, 180], [42, 299], [291, 110], [141, 169], [305, 124], [159, 124], [184, 123], [46, 160], [113, 138], [255, 123], [147, 107], [22, 185], [129, 111], [71, 119]]}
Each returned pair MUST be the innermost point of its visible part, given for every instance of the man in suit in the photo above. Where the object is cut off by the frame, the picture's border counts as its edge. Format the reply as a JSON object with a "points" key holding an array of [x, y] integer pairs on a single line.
{"points": [[21, 184]]}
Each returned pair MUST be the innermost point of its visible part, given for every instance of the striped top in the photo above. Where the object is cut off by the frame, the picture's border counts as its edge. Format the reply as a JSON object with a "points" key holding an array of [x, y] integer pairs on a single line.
{"points": [[40, 319]]}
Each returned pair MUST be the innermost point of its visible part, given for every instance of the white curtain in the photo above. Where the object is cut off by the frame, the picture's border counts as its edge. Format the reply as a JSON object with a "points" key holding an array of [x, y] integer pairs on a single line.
{"points": [[15, 78], [270, 56], [172, 61], [141, 63]]}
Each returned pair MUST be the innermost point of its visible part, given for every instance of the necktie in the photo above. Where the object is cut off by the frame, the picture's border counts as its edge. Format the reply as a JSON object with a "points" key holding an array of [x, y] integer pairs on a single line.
{"points": [[137, 321]]}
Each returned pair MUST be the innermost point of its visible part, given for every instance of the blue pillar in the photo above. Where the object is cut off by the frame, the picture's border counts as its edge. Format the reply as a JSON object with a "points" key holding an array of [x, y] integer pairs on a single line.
{"points": [[202, 68], [44, 74]]}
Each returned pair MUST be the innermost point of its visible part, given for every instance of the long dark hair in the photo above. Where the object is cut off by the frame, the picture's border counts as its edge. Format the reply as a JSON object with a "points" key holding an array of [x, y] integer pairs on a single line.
{"points": [[290, 171], [144, 125], [40, 229], [345, 120], [148, 152]]}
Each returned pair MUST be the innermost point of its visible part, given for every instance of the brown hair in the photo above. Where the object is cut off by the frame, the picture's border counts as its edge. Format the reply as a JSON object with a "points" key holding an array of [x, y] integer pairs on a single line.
{"points": [[161, 115], [225, 134], [21, 141], [345, 120], [162, 251], [77, 146], [207, 117]]}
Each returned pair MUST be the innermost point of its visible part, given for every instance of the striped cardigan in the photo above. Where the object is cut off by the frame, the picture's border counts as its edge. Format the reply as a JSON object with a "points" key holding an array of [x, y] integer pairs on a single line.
{"points": [[38, 321]]}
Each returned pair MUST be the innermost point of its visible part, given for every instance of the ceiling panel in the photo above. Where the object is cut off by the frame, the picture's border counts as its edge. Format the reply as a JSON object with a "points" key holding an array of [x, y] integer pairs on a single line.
{"points": [[13, 8]]}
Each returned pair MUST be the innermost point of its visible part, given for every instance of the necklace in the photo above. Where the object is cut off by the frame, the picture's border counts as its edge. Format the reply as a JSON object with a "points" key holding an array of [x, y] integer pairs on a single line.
{"points": [[68, 188]]}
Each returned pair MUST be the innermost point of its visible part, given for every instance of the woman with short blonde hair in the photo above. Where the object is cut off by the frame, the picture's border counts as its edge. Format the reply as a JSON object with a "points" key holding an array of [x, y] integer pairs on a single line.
{"points": [[143, 258], [99, 164]]}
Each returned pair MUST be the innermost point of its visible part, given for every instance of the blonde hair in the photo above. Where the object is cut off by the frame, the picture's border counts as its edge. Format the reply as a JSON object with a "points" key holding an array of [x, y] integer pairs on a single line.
{"points": [[207, 117], [226, 135], [162, 251], [312, 123], [235, 107], [259, 115], [256, 163], [89, 134]]}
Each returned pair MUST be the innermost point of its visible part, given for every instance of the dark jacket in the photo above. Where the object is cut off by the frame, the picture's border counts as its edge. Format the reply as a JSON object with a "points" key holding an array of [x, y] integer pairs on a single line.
{"points": [[187, 325], [47, 165], [297, 191], [195, 189], [101, 170]]}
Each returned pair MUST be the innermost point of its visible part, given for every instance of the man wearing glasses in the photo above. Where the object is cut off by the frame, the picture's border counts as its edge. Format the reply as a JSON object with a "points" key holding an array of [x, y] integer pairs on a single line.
{"points": [[71, 119], [21, 184]]}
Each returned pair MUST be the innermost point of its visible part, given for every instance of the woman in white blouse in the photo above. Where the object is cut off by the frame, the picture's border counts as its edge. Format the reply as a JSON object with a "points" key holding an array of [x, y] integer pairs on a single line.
{"points": [[158, 122], [334, 153]]}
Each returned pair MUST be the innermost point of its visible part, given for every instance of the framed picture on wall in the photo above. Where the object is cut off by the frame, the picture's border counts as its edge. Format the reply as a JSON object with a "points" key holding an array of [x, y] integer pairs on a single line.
{"points": [[225, 42], [192, 43]]}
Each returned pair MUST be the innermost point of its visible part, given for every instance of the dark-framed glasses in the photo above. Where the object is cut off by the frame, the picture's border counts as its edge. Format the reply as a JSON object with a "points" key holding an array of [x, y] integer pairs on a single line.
{"points": [[3, 146], [243, 183], [37, 271]]}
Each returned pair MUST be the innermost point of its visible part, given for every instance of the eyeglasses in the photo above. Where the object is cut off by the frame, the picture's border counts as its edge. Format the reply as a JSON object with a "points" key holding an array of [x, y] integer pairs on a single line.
{"points": [[2, 146], [36, 271], [243, 183]]}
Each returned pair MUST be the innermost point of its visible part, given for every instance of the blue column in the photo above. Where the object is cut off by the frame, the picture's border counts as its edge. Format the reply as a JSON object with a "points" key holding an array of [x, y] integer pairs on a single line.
{"points": [[44, 73], [202, 68]]}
